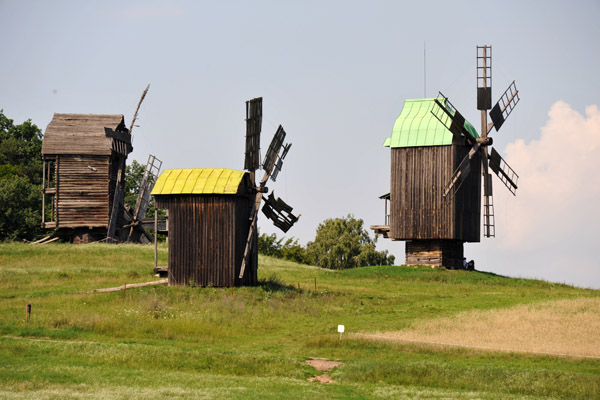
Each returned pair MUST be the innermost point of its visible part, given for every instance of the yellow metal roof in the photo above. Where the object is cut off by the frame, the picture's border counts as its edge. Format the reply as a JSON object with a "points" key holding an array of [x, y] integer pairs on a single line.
{"points": [[198, 181]]}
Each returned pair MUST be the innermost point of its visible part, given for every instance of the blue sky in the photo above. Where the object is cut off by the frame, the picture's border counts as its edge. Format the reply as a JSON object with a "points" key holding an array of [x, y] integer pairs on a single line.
{"points": [[335, 75]]}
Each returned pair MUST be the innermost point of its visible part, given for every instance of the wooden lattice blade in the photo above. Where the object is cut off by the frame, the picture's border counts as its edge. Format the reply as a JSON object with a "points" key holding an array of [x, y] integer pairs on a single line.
{"points": [[506, 174]]}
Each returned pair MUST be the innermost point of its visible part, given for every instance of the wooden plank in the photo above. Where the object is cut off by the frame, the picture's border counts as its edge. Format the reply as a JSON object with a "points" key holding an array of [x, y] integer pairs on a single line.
{"points": [[128, 286]]}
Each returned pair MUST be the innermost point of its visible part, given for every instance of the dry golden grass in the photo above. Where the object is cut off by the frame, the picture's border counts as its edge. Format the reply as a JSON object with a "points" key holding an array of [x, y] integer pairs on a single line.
{"points": [[561, 327]]}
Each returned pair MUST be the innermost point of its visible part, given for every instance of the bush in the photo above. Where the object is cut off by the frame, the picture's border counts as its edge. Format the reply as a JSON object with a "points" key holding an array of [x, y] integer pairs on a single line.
{"points": [[343, 243], [270, 245]]}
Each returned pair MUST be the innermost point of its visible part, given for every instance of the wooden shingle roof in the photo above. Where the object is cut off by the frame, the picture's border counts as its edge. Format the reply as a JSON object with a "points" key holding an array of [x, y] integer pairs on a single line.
{"points": [[86, 134]]}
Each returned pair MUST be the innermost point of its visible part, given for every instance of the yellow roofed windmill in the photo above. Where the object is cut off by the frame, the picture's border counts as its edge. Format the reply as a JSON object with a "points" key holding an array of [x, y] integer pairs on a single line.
{"points": [[213, 213]]}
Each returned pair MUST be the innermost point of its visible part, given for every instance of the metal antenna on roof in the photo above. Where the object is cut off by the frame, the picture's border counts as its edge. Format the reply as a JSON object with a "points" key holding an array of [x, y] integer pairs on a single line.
{"points": [[424, 71]]}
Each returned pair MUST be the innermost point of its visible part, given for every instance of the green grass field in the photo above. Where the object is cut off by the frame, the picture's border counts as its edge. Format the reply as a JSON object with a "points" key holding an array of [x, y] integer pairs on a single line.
{"points": [[192, 342]]}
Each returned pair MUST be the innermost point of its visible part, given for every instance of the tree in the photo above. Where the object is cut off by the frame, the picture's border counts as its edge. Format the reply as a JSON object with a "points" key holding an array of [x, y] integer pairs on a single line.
{"points": [[343, 243], [292, 250], [20, 179]]}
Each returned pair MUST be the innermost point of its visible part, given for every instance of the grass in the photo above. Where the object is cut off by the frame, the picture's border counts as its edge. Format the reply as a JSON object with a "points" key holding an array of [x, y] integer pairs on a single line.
{"points": [[184, 342]]}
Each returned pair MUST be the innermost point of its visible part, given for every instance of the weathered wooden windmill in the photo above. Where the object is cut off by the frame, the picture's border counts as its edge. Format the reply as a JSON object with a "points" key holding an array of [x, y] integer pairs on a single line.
{"points": [[84, 158], [213, 213], [438, 159]]}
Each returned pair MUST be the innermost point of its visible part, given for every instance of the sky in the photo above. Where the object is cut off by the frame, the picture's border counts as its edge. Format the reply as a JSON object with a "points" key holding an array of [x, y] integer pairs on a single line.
{"points": [[335, 74]]}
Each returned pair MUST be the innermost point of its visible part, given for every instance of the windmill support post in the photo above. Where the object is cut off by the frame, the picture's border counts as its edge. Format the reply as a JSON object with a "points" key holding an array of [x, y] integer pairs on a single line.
{"points": [[155, 239]]}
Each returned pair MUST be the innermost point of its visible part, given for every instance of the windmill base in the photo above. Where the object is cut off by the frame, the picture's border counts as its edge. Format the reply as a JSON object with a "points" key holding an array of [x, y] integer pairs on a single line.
{"points": [[436, 253]]}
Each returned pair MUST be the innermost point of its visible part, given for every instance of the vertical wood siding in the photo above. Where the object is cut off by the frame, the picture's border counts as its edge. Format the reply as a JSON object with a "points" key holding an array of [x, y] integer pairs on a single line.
{"points": [[207, 238], [418, 209]]}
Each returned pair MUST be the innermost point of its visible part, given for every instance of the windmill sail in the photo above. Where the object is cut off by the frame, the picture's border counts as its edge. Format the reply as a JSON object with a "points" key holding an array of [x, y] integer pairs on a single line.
{"points": [[279, 212], [489, 228], [273, 150], [253, 128], [506, 174], [449, 116], [508, 101], [484, 77], [279, 163]]}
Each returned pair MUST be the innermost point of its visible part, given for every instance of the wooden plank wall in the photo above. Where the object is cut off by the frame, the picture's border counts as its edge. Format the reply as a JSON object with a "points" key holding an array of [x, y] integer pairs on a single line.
{"points": [[82, 191], [467, 201], [207, 237], [440, 253], [417, 207]]}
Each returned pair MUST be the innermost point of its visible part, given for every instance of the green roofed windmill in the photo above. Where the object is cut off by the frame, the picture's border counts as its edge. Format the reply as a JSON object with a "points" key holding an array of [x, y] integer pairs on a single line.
{"points": [[213, 213], [438, 159]]}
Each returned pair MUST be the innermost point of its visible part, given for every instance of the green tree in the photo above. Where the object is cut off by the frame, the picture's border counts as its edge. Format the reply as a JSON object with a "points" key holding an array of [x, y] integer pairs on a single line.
{"points": [[20, 179], [292, 250], [343, 243], [269, 245]]}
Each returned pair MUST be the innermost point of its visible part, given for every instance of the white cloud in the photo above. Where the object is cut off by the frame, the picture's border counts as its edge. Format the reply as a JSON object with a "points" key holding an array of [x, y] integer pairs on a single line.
{"points": [[550, 228], [559, 188]]}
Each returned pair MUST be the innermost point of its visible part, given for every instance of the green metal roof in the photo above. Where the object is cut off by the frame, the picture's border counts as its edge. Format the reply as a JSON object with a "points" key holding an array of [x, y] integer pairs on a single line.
{"points": [[417, 126], [198, 181]]}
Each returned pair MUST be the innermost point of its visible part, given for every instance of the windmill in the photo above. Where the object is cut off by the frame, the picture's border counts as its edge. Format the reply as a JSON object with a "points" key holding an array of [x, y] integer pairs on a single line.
{"points": [[213, 212], [84, 157], [274, 208], [437, 161], [453, 120]]}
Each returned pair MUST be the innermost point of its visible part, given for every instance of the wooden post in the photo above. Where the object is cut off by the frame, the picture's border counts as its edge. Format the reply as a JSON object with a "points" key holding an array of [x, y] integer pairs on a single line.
{"points": [[44, 193], [124, 290], [27, 312], [299, 288], [155, 239], [315, 284]]}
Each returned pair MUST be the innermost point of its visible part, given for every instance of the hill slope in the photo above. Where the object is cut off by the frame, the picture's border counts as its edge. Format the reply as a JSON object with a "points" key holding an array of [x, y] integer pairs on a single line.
{"points": [[209, 343]]}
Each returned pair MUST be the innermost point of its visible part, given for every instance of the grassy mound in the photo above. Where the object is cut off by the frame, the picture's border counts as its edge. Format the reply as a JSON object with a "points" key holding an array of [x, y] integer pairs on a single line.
{"points": [[191, 342]]}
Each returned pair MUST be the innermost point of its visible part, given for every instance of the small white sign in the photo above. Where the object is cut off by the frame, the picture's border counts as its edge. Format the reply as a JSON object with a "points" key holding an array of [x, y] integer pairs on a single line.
{"points": [[340, 328]]}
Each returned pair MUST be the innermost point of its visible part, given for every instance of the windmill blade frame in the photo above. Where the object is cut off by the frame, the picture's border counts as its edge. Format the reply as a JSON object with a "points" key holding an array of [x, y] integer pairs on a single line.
{"points": [[450, 118], [273, 151], [279, 212], [489, 223], [504, 106], [506, 174], [460, 173], [253, 130], [151, 173]]}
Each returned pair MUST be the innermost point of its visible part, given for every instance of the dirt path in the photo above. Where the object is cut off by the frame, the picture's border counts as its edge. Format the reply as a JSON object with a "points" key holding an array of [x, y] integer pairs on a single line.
{"points": [[321, 364]]}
